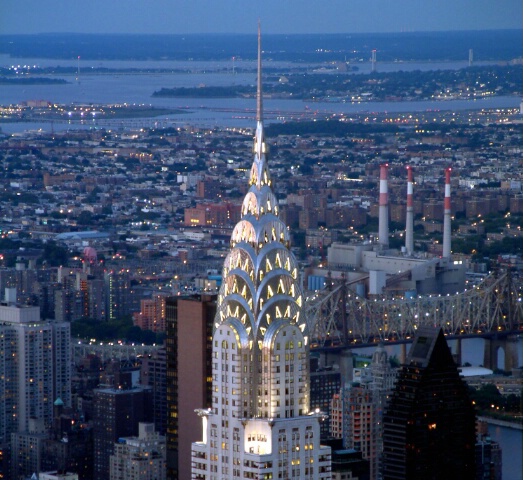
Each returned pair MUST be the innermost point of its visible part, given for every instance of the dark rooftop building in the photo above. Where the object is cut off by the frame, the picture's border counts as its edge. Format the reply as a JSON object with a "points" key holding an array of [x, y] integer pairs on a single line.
{"points": [[69, 447], [429, 426], [325, 382], [117, 413], [488, 459], [347, 463]]}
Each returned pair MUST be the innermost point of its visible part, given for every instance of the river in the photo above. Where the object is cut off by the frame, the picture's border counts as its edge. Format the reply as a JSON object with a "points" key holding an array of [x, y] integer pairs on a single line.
{"points": [[510, 441], [137, 89], [472, 351]]}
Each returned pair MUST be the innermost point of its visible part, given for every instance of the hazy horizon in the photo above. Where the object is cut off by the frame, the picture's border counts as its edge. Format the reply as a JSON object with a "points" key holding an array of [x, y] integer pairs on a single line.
{"points": [[265, 34]]}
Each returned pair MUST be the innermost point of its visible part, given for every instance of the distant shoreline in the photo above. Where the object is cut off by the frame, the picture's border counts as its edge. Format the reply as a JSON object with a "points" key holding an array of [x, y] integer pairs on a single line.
{"points": [[105, 113], [32, 81]]}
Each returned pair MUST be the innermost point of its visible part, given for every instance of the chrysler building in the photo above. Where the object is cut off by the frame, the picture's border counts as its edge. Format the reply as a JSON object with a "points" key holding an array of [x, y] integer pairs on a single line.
{"points": [[260, 425]]}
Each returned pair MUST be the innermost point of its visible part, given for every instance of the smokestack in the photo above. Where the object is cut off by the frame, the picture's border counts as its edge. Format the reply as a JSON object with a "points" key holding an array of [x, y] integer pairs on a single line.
{"points": [[446, 216], [383, 228], [409, 227]]}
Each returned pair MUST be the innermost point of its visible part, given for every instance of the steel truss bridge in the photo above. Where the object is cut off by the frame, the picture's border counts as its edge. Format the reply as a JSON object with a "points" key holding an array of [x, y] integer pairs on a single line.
{"points": [[109, 351], [338, 317]]}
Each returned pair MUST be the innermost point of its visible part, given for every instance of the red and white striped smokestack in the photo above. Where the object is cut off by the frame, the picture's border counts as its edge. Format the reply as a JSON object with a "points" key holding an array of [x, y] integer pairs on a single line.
{"points": [[447, 216], [383, 227], [409, 227]]}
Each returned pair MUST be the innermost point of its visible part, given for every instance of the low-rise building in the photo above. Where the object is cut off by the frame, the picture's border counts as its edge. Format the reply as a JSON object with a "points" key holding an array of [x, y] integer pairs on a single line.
{"points": [[139, 458]]}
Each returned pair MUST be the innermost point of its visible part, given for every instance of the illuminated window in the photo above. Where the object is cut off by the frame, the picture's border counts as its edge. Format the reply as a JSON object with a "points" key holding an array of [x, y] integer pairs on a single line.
{"points": [[268, 265]]}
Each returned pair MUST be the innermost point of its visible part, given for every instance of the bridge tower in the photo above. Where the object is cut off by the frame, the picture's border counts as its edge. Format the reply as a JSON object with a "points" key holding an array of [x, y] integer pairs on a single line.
{"points": [[509, 344]]}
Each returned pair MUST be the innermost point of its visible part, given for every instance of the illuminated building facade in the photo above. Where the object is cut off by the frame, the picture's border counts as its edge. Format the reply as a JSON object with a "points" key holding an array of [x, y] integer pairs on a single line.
{"points": [[260, 424], [118, 294], [152, 313], [34, 366], [212, 215]]}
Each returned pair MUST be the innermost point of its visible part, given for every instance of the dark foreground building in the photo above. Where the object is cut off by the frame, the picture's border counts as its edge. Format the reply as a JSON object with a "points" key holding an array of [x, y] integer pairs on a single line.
{"points": [[488, 459], [429, 426], [117, 413]]}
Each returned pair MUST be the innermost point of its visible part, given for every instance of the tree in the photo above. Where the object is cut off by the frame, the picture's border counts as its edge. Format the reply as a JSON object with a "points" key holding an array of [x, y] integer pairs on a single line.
{"points": [[85, 217], [54, 254], [487, 396]]}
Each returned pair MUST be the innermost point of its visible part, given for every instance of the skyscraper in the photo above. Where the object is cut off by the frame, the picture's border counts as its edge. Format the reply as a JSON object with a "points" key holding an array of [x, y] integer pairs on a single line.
{"points": [[361, 422], [189, 323], [153, 373], [118, 289], [429, 425], [117, 413], [356, 413], [324, 383], [260, 424], [35, 368]]}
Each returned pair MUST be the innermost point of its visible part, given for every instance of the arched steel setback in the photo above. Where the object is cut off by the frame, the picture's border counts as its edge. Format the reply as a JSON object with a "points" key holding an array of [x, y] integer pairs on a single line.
{"points": [[495, 305]]}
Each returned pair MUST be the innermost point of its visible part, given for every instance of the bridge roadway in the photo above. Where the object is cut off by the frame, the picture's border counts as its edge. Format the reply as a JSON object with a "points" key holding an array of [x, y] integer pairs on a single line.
{"points": [[373, 342], [109, 351], [339, 317]]}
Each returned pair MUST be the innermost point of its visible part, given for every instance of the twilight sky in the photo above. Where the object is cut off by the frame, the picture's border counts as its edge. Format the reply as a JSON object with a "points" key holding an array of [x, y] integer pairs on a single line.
{"points": [[240, 16]]}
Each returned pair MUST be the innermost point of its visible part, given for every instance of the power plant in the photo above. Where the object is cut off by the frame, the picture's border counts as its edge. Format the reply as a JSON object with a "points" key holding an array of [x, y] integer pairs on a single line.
{"points": [[372, 268], [446, 216], [383, 231], [409, 223]]}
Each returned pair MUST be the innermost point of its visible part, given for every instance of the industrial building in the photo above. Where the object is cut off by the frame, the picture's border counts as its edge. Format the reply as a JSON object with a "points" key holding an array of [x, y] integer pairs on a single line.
{"points": [[372, 268]]}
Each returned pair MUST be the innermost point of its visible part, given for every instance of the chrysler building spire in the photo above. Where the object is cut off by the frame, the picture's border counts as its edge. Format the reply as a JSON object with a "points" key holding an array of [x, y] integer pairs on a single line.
{"points": [[260, 276], [259, 138], [259, 106], [260, 422]]}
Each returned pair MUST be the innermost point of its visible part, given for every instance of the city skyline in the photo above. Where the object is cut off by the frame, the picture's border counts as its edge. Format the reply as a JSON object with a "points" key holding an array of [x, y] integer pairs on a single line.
{"points": [[231, 16], [114, 236]]}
